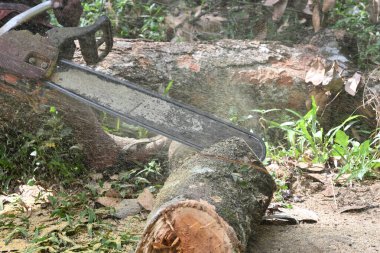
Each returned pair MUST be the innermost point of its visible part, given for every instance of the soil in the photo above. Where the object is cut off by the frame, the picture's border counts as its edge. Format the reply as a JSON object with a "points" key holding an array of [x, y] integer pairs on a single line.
{"points": [[357, 229], [335, 231]]}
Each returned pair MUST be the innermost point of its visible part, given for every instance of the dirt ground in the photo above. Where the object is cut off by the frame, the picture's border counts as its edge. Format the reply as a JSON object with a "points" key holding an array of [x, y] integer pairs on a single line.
{"points": [[357, 230], [348, 222]]}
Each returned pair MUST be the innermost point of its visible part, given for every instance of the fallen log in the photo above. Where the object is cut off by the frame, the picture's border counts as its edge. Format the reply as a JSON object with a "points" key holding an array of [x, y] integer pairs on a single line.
{"points": [[230, 78], [212, 203]]}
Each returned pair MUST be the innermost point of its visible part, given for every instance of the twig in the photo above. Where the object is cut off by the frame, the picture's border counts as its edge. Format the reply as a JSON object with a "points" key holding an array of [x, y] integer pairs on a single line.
{"points": [[330, 102]]}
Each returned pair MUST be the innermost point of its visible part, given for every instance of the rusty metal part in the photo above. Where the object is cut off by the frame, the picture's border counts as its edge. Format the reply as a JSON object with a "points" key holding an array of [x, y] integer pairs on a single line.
{"points": [[35, 56], [87, 37], [28, 55], [14, 6]]}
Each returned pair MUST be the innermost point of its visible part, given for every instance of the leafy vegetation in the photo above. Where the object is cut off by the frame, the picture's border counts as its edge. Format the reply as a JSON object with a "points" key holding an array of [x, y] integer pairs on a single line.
{"points": [[77, 226], [353, 17], [50, 153], [305, 140], [132, 19]]}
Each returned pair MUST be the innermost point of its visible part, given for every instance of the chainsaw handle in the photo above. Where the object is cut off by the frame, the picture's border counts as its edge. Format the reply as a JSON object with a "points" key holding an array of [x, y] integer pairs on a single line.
{"points": [[89, 44], [86, 36], [25, 16]]}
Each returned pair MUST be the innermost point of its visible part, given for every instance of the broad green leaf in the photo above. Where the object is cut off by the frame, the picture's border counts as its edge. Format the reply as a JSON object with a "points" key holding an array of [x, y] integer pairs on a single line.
{"points": [[341, 138]]}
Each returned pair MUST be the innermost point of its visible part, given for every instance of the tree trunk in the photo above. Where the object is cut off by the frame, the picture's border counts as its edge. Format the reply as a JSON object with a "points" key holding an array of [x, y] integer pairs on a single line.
{"points": [[230, 78], [212, 203]]}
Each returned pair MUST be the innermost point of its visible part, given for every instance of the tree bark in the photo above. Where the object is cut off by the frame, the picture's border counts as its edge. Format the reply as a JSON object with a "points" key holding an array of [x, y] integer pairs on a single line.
{"points": [[231, 78], [212, 203]]}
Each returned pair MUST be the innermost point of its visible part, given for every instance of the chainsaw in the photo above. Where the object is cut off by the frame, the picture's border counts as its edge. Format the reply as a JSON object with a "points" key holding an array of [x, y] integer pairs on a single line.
{"points": [[34, 56]]}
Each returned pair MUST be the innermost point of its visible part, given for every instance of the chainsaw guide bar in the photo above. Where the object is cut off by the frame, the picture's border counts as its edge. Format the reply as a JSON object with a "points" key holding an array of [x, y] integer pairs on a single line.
{"points": [[145, 108]]}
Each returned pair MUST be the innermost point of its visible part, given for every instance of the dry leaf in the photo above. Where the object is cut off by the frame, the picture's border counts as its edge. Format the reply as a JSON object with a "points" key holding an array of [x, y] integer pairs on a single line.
{"points": [[333, 80], [318, 177], [146, 199], [308, 7], [316, 73], [352, 84], [301, 214], [15, 245], [96, 176], [316, 18], [197, 11], [357, 208], [270, 2], [291, 216], [54, 228], [112, 193], [108, 201], [284, 26], [279, 9], [328, 5]]}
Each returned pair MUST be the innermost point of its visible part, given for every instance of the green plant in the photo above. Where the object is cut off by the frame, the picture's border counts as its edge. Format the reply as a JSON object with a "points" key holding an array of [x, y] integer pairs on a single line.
{"points": [[145, 175], [305, 140], [92, 10], [354, 18], [48, 153], [153, 20], [129, 18], [168, 87], [304, 133], [356, 159]]}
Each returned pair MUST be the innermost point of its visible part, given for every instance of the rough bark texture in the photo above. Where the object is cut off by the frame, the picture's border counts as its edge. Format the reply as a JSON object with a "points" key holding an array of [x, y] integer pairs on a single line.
{"points": [[234, 75], [211, 203]]}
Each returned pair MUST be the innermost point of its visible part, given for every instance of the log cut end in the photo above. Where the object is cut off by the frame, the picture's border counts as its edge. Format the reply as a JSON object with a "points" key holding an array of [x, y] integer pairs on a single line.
{"points": [[188, 226]]}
